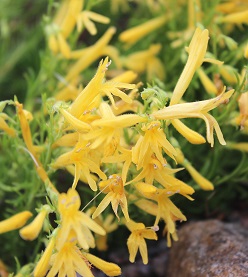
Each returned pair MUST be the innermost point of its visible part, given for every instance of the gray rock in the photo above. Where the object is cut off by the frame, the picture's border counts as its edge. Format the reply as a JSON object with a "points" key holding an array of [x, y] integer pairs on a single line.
{"points": [[209, 249]]}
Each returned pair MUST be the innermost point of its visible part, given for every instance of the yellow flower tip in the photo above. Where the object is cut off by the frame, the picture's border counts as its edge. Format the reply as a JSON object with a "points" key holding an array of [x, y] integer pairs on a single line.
{"points": [[241, 146], [86, 18], [14, 222], [43, 264], [110, 269], [31, 231], [5, 127], [179, 157], [228, 73], [69, 203], [134, 34], [199, 179], [77, 124], [53, 44], [115, 194], [197, 50], [137, 238], [64, 46], [207, 82], [192, 136], [235, 18]]}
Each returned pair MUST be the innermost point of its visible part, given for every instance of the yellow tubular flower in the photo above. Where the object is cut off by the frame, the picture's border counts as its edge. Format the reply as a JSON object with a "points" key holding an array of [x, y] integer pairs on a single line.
{"points": [[208, 84], [44, 262], [93, 53], [90, 92], [26, 133], [76, 222], [67, 140], [194, 13], [134, 34], [145, 205], [62, 26], [191, 135], [166, 209], [111, 88], [5, 127], [31, 231], [232, 6], [242, 120], [228, 73], [63, 46], [114, 188], [241, 146], [125, 77], [236, 18], [204, 183], [153, 142], [108, 223], [33, 150], [3, 117], [61, 13], [109, 127], [146, 60], [66, 261], [86, 17], [137, 240], [110, 269], [198, 110], [84, 161], [169, 236], [76, 124], [69, 21], [199, 179], [164, 176], [70, 91], [125, 158], [14, 222], [197, 50]]}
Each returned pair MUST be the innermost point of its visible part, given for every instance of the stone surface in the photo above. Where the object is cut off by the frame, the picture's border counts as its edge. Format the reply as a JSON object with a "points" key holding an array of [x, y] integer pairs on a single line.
{"points": [[209, 249]]}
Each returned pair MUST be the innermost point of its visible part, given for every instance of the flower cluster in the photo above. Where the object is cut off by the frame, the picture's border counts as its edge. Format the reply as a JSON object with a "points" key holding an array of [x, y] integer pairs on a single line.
{"points": [[123, 145]]}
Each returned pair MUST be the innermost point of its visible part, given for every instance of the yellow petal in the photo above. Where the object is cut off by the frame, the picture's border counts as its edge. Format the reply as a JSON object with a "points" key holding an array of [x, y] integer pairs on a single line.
{"points": [[192, 136], [238, 18], [132, 244], [143, 251], [77, 124], [207, 82], [93, 54], [197, 50], [53, 44], [199, 179], [43, 264], [242, 146], [64, 46], [31, 231], [134, 34], [110, 269], [228, 73], [5, 127], [14, 222]]}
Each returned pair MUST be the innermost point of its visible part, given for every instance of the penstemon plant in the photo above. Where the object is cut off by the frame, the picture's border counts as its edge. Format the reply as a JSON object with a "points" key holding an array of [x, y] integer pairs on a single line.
{"points": [[125, 130]]}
